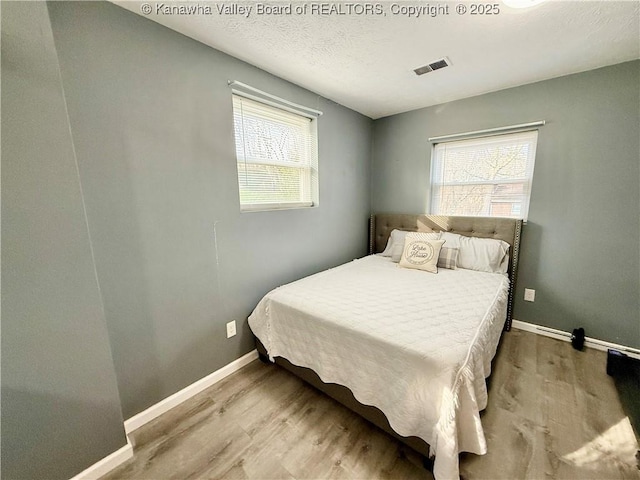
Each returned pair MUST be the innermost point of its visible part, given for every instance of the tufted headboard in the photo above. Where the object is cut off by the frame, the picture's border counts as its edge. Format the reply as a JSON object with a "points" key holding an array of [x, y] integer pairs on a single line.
{"points": [[506, 229]]}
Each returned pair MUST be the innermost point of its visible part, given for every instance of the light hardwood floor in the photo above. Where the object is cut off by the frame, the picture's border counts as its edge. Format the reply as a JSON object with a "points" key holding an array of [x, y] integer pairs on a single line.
{"points": [[553, 413]]}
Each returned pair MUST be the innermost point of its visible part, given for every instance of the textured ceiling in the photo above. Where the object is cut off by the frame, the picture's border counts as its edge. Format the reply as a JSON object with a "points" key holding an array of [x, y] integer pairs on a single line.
{"points": [[366, 62]]}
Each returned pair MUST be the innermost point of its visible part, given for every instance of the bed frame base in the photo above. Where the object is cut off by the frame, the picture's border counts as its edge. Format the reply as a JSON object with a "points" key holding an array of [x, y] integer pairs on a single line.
{"points": [[345, 397]]}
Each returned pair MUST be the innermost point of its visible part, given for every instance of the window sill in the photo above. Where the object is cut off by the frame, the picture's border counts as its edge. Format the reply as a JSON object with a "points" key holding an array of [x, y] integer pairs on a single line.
{"points": [[275, 206]]}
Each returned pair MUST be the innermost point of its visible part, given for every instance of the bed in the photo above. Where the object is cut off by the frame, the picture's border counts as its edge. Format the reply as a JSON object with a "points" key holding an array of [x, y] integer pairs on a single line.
{"points": [[407, 349]]}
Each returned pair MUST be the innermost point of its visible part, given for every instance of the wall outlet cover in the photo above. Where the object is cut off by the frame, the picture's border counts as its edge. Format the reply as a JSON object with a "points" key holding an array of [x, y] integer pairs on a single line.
{"points": [[231, 329], [529, 295]]}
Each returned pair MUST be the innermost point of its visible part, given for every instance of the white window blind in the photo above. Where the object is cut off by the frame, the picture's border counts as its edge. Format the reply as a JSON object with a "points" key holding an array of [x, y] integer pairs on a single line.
{"points": [[488, 176], [277, 157]]}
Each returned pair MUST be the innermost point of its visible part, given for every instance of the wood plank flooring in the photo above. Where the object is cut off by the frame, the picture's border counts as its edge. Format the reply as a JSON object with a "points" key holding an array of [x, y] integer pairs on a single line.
{"points": [[553, 413]]}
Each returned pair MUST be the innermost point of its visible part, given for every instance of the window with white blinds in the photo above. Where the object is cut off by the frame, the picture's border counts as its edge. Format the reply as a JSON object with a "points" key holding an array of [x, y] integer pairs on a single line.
{"points": [[277, 156], [488, 176]]}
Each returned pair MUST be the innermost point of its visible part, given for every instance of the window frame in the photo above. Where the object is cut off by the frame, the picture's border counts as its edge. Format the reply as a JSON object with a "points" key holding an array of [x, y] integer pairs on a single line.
{"points": [[481, 137], [309, 184]]}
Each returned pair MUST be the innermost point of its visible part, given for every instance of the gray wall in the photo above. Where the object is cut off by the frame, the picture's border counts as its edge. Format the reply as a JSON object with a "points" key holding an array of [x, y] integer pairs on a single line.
{"points": [[150, 120], [60, 406], [151, 117], [580, 248]]}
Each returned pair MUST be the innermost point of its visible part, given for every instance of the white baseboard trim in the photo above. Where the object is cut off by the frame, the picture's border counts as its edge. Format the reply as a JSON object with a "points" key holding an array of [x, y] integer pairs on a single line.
{"points": [[107, 464], [154, 411], [566, 336], [123, 454]]}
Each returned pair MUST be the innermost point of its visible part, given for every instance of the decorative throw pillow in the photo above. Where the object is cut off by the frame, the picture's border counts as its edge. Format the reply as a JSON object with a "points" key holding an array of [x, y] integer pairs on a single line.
{"points": [[448, 258], [421, 253], [398, 246]]}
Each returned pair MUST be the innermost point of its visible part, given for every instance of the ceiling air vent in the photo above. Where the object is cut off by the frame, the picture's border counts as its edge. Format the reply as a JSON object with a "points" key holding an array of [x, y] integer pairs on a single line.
{"points": [[437, 65]]}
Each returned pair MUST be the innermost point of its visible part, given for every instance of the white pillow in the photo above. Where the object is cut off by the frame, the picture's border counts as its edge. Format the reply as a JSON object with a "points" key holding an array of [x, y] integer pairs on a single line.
{"points": [[483, 254], [387, 250], [453, 239], [397, 237], [421, 252], [394, 237], [398, 246]]}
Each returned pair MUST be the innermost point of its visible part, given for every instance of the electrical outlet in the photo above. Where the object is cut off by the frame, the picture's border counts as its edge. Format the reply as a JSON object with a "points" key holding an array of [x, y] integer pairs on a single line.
{"points": [[529, 295], [231, 329]]}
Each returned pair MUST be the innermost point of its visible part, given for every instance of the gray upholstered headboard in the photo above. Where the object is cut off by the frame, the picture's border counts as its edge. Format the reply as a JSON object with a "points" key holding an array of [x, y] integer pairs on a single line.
{"points": [[506, 229]]}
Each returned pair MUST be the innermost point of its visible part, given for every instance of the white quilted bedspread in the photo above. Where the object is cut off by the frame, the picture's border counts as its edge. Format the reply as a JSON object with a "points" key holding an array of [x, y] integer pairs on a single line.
{"points": [[414, 344]]}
